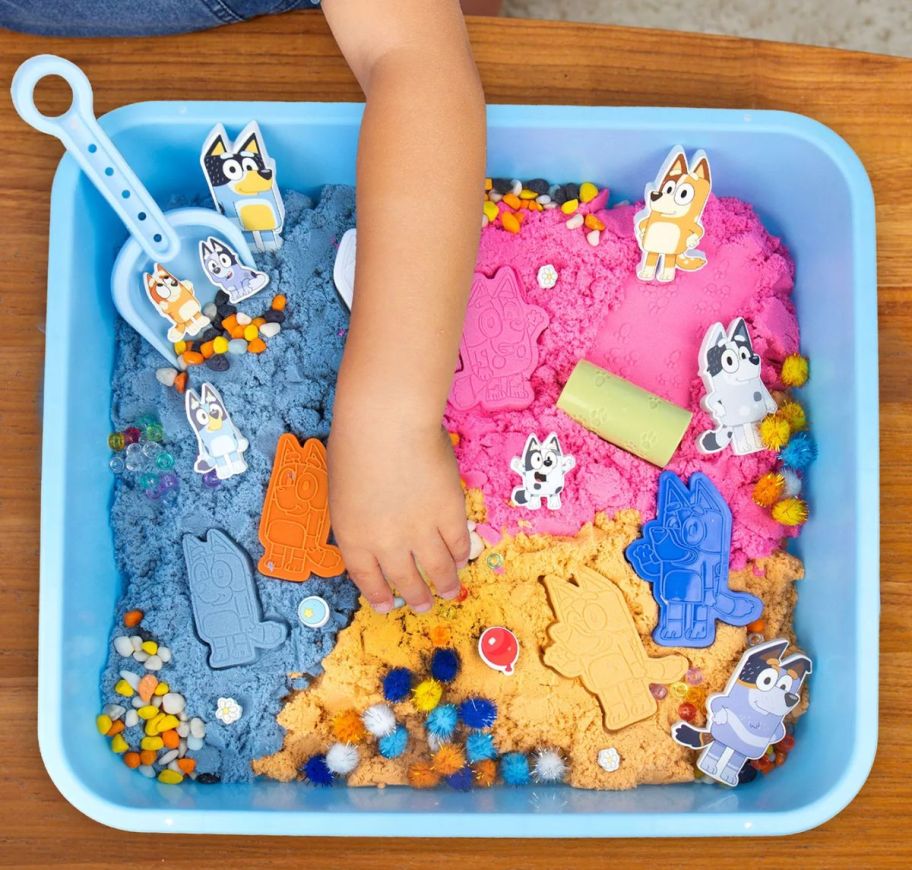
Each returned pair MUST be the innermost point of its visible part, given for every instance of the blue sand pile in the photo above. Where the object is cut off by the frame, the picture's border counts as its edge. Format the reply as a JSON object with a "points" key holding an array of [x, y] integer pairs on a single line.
{"points": [[287, 388]]}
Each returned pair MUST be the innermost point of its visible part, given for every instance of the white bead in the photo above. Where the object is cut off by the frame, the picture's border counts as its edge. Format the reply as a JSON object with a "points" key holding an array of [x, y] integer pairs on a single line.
{"points": [[131, 719], [173, 703], [123, 646], [131, 678], [575, 222], [154, 663]]}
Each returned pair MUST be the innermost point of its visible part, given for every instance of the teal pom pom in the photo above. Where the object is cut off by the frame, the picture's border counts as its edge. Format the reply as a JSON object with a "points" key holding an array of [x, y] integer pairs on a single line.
{"points": [[441, 721], [394, 743], [317, 771], [397, 684], [800, 452], [479, 746], [444, 665], [462, 780], [514, 768], [478, 712]]}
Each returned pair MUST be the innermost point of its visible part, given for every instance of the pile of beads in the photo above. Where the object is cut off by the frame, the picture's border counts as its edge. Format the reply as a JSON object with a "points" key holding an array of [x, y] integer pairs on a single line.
{"points": [[154, 733], [231, 333], [508, 201], [138, 450]]}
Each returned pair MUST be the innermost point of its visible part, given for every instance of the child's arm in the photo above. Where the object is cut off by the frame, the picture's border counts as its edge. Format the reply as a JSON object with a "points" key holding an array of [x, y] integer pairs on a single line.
{"points": [[394, 487]]}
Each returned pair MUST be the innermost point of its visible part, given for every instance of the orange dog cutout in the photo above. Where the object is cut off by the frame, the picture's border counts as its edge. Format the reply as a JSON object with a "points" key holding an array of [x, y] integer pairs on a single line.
{"points": [[596, 641], [176, 302], [294, 526], [669, 227]]}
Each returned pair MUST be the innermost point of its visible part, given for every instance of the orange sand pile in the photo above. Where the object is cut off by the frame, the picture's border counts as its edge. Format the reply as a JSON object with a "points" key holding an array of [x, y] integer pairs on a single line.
{"points": [[537, 707]]}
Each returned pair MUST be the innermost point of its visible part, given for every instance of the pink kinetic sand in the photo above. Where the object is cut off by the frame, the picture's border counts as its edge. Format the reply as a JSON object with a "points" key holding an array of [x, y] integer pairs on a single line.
{"points": [[647, 333]]}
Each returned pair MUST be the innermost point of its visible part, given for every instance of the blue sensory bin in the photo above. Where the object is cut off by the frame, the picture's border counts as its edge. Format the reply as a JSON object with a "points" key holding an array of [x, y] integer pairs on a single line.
{"points": [[806, 184]]}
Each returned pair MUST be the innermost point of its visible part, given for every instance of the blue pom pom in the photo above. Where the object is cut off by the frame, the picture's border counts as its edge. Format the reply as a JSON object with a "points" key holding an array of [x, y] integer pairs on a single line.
{"points": [[441, 721], [800, 452], [478, 712], [394, 743], [462, 780], [514, 768], [479, 746], [317, 771], [444, 665], [397, 684]]}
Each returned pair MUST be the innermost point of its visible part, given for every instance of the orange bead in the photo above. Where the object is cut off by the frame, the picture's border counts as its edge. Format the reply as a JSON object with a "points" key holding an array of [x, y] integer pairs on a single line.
{"points": [[229, 322], [258, 321], [132, 618], [237, 331], [187, 765], [180, 382], [148, 756], [116, 728], [510, 222], [758, 626], [278, 302], [256, 346], [171, 739], [132, 759], [489, 184], [512, 200], [593, 223], [192, 358], [206, 349], [146, 687]]}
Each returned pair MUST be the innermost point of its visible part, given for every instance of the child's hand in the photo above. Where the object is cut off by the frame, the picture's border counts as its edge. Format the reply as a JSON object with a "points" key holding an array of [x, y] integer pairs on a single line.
{"points": [[395, 499]]}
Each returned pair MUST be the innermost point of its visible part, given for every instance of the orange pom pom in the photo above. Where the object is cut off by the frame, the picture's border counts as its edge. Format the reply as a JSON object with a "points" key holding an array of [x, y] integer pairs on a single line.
{"points": [[775, 431], [769, 489], [448, 759], [794, 414], [485, 772], [422, 775], [790, 512], [348, 728]]}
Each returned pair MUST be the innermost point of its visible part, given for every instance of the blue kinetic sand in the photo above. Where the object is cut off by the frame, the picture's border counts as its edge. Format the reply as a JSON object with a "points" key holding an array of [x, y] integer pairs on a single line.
{"points": [[805, 183], [684, 555]]}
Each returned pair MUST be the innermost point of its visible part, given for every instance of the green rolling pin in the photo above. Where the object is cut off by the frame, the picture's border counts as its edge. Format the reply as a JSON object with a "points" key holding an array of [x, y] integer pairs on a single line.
{"points": [[624, 414]]}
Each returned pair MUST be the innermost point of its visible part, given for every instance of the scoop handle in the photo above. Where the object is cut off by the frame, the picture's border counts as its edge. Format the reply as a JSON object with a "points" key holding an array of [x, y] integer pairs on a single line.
{"points": [[94, 152]]}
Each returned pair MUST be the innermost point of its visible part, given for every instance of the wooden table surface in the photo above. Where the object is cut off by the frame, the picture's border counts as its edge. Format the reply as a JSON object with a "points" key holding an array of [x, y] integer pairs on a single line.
{"points": [[865, 98]]}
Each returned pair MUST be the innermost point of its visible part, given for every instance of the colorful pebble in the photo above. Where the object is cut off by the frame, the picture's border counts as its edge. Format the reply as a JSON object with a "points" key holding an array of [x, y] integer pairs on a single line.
{"points": [[170, 777], [119, 745], [122, 687], [132, 618]]}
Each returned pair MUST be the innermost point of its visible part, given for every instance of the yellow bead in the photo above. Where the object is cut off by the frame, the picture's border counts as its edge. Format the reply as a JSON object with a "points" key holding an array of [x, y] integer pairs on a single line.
{"points": [[152, 726], [168, 722], [180, 347], [122, 687], [679, 690], [147, 712], [150, 646], [220, 344], [162, 689], [525, 193], [570, 206], [152, 743], [491, 210], [588, 191], [250, 332], [170, 777], [103, 723], [119, 745]]}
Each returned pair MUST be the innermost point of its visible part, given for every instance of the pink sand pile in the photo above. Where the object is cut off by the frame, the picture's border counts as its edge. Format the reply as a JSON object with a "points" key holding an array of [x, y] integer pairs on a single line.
{"points": [[647, 333]]}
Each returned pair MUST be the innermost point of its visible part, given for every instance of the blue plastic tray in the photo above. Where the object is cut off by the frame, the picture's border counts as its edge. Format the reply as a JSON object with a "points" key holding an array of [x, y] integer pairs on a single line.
{"points": [[806, 184]]}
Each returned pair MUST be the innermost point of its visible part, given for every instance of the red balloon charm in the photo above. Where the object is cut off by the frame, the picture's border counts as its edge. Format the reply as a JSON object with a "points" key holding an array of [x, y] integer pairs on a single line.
{"points": [[499, 648]]}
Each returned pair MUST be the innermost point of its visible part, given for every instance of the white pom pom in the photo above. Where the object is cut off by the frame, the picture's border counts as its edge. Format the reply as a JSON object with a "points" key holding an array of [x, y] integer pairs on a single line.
{"points": [[549, 766], [379, 720], [792, 482], [342, 758]]}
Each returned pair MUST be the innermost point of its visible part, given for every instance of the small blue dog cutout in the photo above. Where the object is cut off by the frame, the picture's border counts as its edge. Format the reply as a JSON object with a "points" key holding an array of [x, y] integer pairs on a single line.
{"points": [[746, 718], [684, 554], [226, 608]]}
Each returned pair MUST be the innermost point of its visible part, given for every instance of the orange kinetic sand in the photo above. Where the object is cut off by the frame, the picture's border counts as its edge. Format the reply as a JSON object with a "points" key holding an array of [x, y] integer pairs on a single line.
{"points": [[294, 526]]}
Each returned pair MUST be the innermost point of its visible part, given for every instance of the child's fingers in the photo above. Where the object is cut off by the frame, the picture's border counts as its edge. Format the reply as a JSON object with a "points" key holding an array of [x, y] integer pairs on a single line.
{"points": [[436, 561], [456, 537], [403, 576], [364, 570]]}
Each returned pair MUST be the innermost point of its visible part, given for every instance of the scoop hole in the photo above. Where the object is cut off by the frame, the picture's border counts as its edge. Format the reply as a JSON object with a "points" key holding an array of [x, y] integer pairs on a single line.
{"points": [[109, 170], [52, 96], [141, 216], [93, 148], [157, 237], [125, 194]]}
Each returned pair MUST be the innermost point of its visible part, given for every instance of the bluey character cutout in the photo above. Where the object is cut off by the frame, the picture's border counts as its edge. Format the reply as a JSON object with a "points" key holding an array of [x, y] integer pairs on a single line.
{"points": [[176, 301], [220, 444], [224, 270], [242, 179], [669, 227], [542, 467], [736, 397], [747, 718]]}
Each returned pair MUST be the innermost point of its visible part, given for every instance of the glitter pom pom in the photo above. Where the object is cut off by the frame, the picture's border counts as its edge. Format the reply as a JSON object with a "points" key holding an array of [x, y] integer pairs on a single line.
{"points": [[514, 768], [397, 684], [462, 780], [347, 727], [478, 712], [441, 721], [769, 489], [342, 758], [448, 759], [795, 370], [790, 512], [792, 482], [392, 745], [423, 775], [485, 772], [426, 695], [800, 452], [549, 766], [444, 665], [794, 414], [479, 746], [379, 720], [317, 771], [774, 431]]}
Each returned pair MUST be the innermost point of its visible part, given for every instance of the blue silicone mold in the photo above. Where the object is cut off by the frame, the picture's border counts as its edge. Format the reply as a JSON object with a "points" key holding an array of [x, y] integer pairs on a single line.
{"points": [[805, 183]]}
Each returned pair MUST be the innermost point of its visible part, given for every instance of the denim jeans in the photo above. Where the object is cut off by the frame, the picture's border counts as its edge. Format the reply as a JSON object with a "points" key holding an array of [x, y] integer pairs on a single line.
{"points": [[133, 17]]}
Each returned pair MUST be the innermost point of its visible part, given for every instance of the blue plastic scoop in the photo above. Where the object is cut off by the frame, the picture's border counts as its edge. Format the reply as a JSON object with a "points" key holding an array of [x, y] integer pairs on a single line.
{"points": [[170, 239]]}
